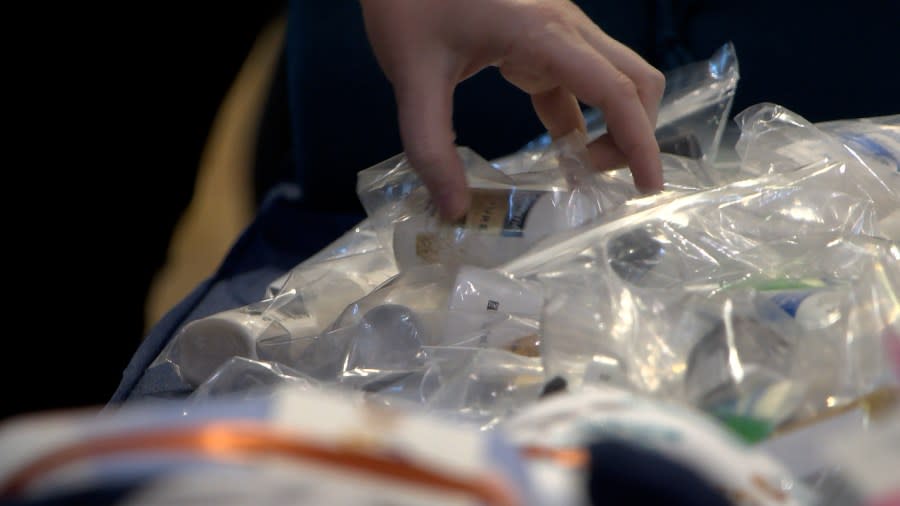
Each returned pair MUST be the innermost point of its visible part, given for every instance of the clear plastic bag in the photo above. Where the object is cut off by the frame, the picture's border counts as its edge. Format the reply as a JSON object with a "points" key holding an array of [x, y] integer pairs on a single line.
{"points": [[413, 337], [242, 378], [302, 303], [692, 114], [360, 241], [776, 140], [739, 217], [641, 296], [877, 140], [552, 191], [700, 298], [484, 386], [508, 212]]}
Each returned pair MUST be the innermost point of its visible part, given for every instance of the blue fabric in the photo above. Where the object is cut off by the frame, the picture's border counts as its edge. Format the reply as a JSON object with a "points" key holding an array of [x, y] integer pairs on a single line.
{"points": [[281, 236]]}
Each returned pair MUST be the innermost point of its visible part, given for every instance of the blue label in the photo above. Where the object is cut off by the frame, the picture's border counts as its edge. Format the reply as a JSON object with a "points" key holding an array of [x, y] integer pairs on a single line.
{"points": [[873, 147], [790, 301], [519, 204]]}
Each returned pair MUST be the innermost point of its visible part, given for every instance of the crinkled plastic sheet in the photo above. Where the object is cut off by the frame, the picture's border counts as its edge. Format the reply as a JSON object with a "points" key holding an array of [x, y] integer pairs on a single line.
{"points": [[692, 117], [777, 140], [508, 212], [765, 294], [243, 378], [731, 337], [643, 294], [696, 297], [302, 303]]}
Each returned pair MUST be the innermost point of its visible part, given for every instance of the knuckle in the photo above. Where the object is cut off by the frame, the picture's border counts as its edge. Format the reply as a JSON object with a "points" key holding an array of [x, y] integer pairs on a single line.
{"points": [[654, 82], [547, 12], [624, 87], [544, 21], [633, 149]]}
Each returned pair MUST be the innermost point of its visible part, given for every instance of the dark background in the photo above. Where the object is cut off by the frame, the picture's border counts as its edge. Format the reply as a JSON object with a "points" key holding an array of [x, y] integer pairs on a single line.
{"points": [[117, 102]]}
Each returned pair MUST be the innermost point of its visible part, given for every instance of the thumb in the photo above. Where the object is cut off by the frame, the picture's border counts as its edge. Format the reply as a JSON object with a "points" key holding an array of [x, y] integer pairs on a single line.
{"points": [[425, 113]]}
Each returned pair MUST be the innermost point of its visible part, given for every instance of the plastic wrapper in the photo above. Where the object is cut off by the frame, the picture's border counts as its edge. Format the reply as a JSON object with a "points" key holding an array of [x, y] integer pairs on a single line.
{"points": [[248, 378], [775, 140], [487, 386], [742, 216], [701, 297], [303, 303], [692, 114], [508, 213], [512, 212], [877, 140], [414, 336], [377, 341], [361, 240], [659, 294], [769, 301]]}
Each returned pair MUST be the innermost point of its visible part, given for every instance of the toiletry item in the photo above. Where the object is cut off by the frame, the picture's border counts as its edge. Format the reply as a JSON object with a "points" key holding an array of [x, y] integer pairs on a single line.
{"points": [[501, 224]]}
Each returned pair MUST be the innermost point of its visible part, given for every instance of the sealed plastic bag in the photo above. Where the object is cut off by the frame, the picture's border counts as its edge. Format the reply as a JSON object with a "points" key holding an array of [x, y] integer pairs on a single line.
{"points": [[692, 114], [485, 386], [508, 213], [242, 378], [302, 303], [415, 334], [554, 190], [680, 299], [775, 140], [739, 217]]}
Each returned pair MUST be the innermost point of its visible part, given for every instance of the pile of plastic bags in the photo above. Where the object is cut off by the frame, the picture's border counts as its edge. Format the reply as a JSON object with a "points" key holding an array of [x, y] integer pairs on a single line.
{"points": [[744, 323]]}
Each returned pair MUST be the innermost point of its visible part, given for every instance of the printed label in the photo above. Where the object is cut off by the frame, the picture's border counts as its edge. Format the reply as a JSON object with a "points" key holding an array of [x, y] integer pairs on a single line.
{"points": [[500, 211], [428, 247], [790, 301], [787, 294], [878, 145]]}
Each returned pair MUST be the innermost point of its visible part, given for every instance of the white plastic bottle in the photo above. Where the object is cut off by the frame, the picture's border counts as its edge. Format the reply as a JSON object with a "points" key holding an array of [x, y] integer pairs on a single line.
{"points": [[501, 224]]}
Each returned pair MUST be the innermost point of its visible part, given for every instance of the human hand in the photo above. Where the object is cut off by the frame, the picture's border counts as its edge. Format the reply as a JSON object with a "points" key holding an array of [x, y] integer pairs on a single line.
{"points": [[548, 48]]}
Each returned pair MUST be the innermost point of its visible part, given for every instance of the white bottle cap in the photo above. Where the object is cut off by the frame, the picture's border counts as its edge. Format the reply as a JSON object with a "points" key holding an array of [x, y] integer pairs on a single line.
{"points": [[558, 211], [205, 344], [819, 310], [482, 294]]}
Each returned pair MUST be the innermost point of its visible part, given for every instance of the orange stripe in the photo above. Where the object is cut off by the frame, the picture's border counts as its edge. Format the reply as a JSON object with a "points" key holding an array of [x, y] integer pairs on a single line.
{"points": [[568, 457], [235, 440]]}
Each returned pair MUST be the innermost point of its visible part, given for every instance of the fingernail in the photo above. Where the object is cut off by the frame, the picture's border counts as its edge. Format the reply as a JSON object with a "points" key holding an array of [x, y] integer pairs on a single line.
{"points": [[644, 190]]}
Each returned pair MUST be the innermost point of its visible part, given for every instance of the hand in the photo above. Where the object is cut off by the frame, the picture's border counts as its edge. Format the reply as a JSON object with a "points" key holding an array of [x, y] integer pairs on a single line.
{"points": [[548, 48]]}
